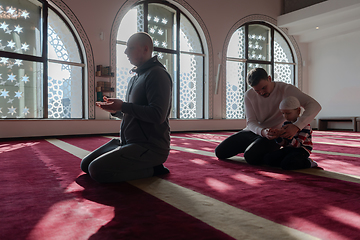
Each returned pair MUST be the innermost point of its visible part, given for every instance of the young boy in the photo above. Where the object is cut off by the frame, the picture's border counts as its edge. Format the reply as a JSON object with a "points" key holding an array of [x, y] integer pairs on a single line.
{"points": [[295, 152]]}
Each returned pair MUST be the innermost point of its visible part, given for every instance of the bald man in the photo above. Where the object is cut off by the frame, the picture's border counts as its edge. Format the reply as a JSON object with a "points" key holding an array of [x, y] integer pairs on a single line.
{"points": [[144, 142]]}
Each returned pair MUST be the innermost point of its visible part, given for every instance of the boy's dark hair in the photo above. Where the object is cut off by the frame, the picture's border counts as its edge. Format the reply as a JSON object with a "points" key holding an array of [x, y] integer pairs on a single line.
{"points": [[256, 75]]}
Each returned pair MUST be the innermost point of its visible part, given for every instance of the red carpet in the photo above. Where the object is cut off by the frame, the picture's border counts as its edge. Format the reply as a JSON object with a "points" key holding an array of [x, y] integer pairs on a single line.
{"points": [[40, 200], [297, 200], [44, 194], [306, 203], [341, 164]]}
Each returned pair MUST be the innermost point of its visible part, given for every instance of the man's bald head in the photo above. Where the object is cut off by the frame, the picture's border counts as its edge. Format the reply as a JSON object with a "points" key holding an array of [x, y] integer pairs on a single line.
{"points": [[143, 39], [139, 48]]}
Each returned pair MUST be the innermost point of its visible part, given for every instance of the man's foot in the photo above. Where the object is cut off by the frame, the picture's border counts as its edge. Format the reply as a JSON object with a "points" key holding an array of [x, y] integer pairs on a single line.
{"points": [[160, 170], [313, 164]]}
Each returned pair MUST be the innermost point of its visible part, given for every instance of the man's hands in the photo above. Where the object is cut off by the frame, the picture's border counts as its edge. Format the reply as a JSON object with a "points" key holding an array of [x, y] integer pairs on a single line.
{"points": [[111, 105], [272, 133], [288, 131]]}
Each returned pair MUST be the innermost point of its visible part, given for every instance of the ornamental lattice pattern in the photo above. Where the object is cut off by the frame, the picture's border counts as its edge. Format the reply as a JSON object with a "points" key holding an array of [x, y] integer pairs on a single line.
{"points": [[123, 77], [89, 66], [191, 66], [64, 81], [190, 74], [188, 87], [235, 71], [58, 89], [235, 90], [282, 72], [123, 67]]}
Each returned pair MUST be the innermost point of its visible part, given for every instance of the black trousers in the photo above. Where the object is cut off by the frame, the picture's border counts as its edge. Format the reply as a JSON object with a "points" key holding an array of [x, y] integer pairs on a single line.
{"points": [[252, 145], [288, 158], [114, 163]]}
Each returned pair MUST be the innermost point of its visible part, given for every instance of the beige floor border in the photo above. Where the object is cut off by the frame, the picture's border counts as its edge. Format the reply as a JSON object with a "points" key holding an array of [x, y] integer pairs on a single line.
{"points": [[311, 171], [315, 151], [339, 144], [233, 221], [341, 138]]}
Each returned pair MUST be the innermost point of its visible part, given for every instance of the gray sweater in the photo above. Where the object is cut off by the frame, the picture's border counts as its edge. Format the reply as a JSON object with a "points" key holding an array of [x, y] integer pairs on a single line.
{"points": [[146, 109]]}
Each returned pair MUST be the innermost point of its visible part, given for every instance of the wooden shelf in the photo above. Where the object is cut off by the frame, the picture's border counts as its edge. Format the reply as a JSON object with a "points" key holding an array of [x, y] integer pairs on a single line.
{"points": [[103, 71], [105, 76]]}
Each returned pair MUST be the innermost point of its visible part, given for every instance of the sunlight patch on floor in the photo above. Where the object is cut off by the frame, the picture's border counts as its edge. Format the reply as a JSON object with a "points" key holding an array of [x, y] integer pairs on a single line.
{"points": [[247, 179], [344, 216], [278, 176], [65, 218], [218, 186], [199, 161], [310, 226], [9, 147]]}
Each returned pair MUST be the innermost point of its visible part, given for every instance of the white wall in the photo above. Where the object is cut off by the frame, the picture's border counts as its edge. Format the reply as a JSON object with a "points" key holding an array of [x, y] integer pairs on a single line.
{"points": [[98, 16], [334, 74]]}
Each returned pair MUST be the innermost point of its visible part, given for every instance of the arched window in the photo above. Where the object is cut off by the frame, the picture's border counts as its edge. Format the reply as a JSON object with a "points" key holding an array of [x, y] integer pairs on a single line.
{"points": [[41, 66], [178, 47], [255, 44]]}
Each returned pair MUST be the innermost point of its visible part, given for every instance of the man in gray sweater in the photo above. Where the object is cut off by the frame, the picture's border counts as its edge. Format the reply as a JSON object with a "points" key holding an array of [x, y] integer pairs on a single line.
{"points": [[144, 142]]}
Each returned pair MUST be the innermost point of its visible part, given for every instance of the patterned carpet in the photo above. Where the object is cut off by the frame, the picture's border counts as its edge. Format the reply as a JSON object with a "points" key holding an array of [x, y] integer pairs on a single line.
{"points": [[44, 194]]}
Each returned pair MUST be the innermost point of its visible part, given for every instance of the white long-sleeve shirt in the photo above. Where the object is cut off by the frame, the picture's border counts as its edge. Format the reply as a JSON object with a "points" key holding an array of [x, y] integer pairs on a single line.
{"points": [[264, 112]]}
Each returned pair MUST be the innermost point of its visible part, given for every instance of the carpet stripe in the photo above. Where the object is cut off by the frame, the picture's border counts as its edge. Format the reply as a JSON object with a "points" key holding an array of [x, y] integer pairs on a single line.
{"points": [[337, 153], [78, 152], [311, 171], [230, 220], [330, 133], [345, 156], [316, 133], [314, 139], [339, 138], [316, 172], [338, 144], [314, 151]]}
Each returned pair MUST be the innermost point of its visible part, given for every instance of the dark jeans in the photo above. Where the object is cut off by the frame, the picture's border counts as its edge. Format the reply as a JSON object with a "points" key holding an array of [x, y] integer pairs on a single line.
{"points": [[114, 163], [288, 158], [252, 145]]}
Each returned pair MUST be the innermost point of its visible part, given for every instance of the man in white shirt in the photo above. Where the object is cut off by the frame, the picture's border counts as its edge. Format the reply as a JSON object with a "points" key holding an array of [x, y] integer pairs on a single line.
{"points": [[263, 115]]}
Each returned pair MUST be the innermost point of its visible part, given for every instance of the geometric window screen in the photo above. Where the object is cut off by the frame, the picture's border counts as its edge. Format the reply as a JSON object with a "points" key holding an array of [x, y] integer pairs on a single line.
{"points": [[177, 46], [265, 48], [28, 56]]}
